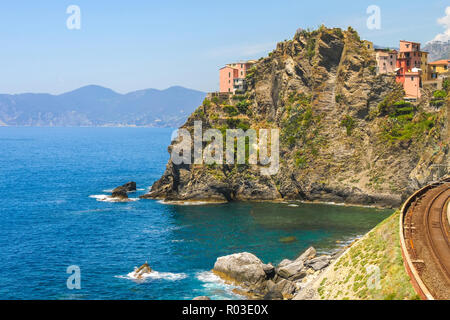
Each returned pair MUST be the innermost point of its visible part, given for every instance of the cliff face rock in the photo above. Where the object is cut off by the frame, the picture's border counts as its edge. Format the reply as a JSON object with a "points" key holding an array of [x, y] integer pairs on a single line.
{"points": [[259, 280], [345, 133]]}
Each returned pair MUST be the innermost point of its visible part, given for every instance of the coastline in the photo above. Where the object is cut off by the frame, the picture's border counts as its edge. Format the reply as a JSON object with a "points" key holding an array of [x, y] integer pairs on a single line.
{"points": [[282, 201]]}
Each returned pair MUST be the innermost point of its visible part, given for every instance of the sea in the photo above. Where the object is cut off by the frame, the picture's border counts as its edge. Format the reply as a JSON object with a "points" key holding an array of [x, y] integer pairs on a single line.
{"points": [[54, 219]]}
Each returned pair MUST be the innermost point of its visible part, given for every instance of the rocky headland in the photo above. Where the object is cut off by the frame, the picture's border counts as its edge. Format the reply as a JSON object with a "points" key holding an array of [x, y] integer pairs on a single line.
{"points": [[346, 135]]}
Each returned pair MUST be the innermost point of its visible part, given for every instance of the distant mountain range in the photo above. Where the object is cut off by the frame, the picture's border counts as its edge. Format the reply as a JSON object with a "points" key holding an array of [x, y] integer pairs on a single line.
{"points": [[437, 50], [98, 106]]}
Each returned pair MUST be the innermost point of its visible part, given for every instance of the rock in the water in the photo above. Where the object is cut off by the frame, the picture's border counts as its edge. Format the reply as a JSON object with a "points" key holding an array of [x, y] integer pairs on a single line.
{"points": [[287, 239], [130, 186], [319, 263], [142, 270], [120, 192], [241, 268], [202, 298]]}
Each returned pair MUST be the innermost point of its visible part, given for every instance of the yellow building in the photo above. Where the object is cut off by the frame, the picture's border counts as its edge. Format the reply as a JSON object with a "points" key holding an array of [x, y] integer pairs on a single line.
{"points": [[368, 44], [438, 68], [424, 66]]}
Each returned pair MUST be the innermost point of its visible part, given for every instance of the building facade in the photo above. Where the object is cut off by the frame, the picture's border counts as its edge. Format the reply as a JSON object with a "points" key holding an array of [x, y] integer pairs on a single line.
{"points": [[424, 66], [438, 69], [232, 76], [408, 70], [386, 61]]}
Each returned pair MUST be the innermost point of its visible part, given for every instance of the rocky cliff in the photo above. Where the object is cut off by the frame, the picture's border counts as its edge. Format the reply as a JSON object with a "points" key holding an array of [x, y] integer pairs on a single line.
{"points": [[346, 135]]}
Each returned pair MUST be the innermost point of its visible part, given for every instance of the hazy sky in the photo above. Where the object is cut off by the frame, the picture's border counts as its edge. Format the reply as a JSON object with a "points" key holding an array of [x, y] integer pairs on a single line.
{"points": [[131, 45]]}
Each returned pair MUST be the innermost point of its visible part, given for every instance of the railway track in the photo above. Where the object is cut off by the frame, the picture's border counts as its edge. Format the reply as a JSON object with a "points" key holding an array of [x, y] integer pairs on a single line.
{"points": [[425, 239]]}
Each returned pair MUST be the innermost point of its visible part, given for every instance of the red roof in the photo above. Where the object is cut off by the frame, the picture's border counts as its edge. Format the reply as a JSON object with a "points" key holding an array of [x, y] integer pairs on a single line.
{"points": [[439, 62]]}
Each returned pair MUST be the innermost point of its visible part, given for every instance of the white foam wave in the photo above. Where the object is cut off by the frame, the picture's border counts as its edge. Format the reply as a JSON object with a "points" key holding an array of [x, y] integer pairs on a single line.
{"points": [[293, 205], [216, 288], [189, 203], [105, 198], [208, 276], [155, 275], [181, 240], [111, 190]]}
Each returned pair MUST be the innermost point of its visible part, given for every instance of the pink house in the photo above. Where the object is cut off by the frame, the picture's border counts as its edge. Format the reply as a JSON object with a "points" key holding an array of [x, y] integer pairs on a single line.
{"points": [[408, 70], [412, 84], [232, 76], [386, 61], [411, 52], [226, 77]]}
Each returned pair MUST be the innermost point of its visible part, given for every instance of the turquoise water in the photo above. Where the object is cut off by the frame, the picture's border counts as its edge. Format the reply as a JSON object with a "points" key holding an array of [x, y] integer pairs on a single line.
{"points": [[49, 220]]}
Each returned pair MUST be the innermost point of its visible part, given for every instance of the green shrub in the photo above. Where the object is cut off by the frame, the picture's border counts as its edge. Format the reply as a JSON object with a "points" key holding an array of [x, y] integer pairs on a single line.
{"points": [[216, 100], [206, 103], [243, 105], [300, 161], [439, 94], [437, 103], [233, 123], [230, 110], [439, 97], [446, 84], [311, 48], [401, 128], [391, 99], [349, 124]]}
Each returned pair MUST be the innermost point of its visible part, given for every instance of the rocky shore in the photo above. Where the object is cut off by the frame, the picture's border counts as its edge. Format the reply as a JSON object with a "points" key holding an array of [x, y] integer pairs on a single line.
{"points": [[285, 281]]}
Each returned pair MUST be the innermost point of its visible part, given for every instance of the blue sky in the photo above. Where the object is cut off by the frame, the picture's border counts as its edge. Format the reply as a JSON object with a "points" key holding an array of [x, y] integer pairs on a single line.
{"points": [[131, 45]]}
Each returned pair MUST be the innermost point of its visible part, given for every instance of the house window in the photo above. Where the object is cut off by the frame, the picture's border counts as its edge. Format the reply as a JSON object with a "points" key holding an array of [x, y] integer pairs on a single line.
{"points": [[229, 74], [412, 78], [242, 65]]}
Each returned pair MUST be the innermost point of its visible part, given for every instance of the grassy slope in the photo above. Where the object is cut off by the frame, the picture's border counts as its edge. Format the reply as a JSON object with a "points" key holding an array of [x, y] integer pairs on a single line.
{"points": [[347, 279]]}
